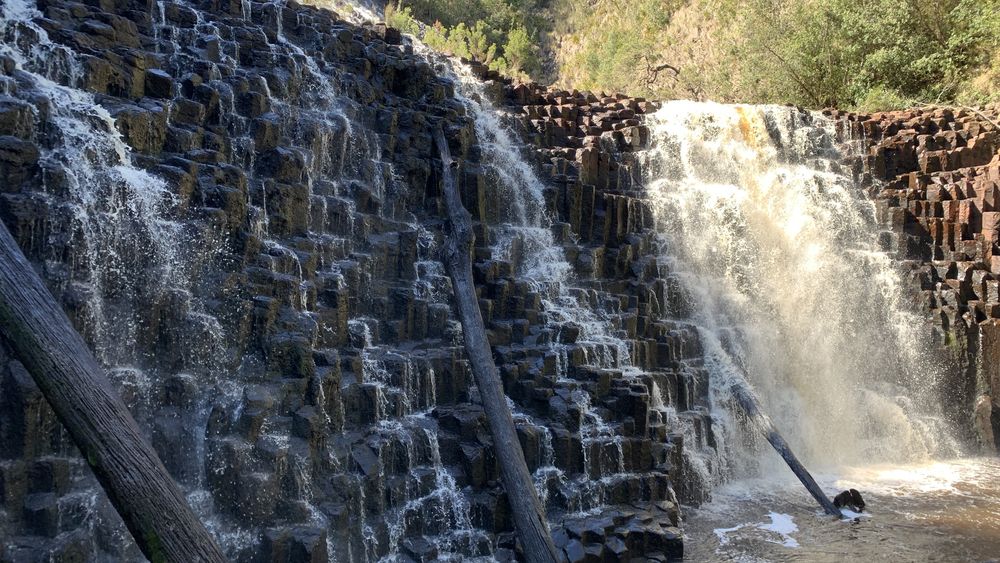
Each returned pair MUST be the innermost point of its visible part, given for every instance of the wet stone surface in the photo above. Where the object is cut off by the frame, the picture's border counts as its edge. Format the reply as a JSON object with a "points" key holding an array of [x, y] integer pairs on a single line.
{"points": [[251, 250], [935, 180], [236, 204]]}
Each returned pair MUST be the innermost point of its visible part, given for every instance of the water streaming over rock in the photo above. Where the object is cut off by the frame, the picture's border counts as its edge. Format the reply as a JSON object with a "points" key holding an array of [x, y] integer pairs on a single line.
{"points": [[777, 250], [275, 165], [525, 239], [111, 230], [239, 209]]}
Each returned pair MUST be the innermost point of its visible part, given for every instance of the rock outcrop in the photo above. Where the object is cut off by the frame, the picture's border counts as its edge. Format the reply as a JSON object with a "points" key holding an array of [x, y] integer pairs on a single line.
{"points": [[933, 174], [251, 253], [587, 147], [936, 173]]}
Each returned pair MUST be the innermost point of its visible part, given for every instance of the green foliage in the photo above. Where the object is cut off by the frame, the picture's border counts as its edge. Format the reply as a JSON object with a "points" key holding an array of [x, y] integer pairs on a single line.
{"points": [[875, 54], [520, 51], [499, 33], [977, 40], [865, 54], [612, 44], [402, 19], [612, 63], [880, 98]]}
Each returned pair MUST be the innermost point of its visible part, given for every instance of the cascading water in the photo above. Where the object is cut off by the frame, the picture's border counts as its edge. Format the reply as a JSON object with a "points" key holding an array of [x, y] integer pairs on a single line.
{"points": [[112, 226], [120, 237], [776, 250], [429, 502], [138, 262], [254, 259], [526, 239]]}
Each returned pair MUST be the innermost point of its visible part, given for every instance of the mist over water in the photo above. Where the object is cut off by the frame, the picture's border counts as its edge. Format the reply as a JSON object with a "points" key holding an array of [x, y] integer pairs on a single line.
{"points": [[775, 244], [776, 248]]}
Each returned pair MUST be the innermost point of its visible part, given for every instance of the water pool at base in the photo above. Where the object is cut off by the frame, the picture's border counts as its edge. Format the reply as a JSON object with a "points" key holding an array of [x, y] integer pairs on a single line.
{"points": [[937, 511]]}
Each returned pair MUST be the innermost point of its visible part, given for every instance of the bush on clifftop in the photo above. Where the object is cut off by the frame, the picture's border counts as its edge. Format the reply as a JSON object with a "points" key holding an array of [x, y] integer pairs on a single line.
{"points": [[499, 33], [859, 53], [865, 54]]}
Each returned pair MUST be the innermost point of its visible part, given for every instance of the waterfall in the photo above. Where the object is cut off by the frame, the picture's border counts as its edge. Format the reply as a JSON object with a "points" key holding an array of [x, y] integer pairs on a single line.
{"points": [[237, 206], [114, 226], [523, 236], [263, 138], [113, 230], [775, 247]]}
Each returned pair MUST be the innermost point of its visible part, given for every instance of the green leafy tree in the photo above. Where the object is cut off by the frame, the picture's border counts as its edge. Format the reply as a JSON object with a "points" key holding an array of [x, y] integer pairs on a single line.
{"points": [[520, 52], [497, 33], [869, 54]]}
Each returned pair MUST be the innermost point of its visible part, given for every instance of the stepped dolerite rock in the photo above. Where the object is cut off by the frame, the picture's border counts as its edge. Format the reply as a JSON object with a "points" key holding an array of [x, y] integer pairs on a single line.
{"points": [[239, 205], [252, 253], [936, 173]]}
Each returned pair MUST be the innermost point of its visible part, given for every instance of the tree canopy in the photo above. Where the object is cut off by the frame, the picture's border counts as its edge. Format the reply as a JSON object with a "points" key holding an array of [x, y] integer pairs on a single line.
{"points": [[865, 54]]}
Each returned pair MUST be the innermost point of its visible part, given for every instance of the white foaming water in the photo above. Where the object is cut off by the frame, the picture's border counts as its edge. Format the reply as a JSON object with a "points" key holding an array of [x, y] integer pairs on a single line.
{"points": [[124, 246], [931, 511], [360, 12], [109, 221], [443, 513], [547, 473], [118, 211], [776, 250], [526, 240], [782, 525], [438, 513]]}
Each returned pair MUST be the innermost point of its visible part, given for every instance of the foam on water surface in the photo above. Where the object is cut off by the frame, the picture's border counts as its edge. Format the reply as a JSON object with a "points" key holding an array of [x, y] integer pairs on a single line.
{"points": [[933, 511], [783, 525]]}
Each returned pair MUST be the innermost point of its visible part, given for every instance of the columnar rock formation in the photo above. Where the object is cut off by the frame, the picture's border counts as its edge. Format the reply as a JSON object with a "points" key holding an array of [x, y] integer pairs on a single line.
{"points": [[255, 262], [586, 146], [933, 173], [937, 188]]}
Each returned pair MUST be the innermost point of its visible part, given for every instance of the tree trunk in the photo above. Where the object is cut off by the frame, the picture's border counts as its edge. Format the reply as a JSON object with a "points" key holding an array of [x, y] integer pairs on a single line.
{"points": [[42, 338], [747, 400], [529, 516]]}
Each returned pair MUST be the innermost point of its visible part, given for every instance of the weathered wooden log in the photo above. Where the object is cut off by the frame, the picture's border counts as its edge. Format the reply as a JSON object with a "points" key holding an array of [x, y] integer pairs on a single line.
{"points": [[139, 486], [529, 515], [748, 401]]}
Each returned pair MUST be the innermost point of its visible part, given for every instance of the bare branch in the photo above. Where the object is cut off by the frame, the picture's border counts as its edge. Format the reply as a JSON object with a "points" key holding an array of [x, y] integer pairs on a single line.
{"points": [[653, 72]]}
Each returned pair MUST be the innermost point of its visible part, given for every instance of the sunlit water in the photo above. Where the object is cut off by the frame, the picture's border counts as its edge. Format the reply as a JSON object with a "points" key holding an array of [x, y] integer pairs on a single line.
{"points": [[775, 246], [937, 511]]}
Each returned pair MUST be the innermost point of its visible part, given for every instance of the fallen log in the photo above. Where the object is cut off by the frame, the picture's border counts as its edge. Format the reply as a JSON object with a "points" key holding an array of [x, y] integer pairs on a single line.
{"points": [[74, 384], [529, 516], [747, 400]]}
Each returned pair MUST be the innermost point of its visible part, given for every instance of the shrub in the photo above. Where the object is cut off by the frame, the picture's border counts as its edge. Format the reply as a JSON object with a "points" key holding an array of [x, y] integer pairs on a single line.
{"points": [[868, 54], [859, 53], [497, 33]]}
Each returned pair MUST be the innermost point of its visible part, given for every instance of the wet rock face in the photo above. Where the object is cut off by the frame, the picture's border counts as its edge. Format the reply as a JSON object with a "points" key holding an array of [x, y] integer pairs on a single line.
{"points": [[257, 268], [586, 148], [937, 194]]}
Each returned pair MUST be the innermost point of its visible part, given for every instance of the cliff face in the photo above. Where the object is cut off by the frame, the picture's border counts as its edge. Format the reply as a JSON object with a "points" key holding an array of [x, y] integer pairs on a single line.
{"points": [[934, 176], [237, 204], [937, 190]]}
